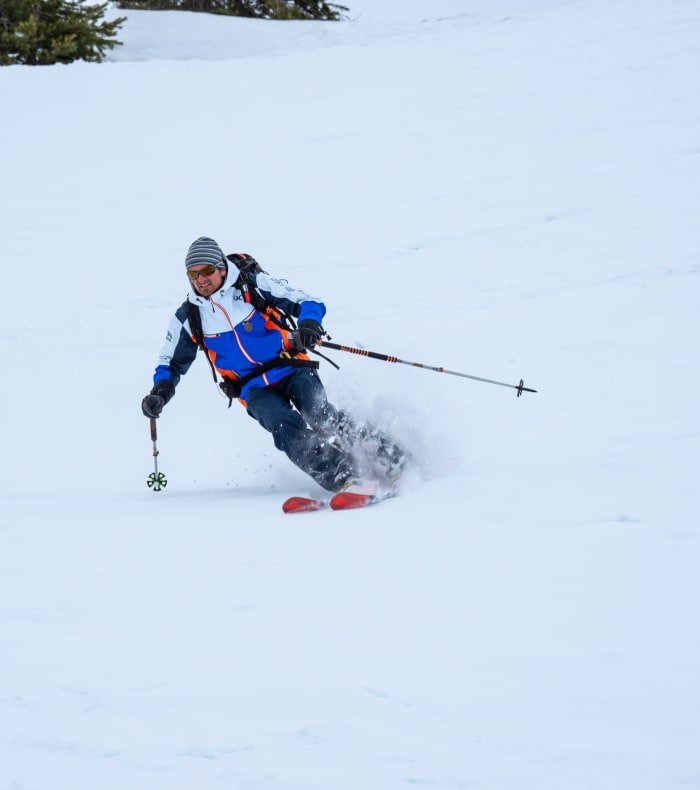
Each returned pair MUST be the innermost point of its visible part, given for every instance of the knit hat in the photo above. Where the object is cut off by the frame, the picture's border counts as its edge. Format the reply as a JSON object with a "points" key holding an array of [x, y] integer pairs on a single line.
{"points": [[205, 251]]}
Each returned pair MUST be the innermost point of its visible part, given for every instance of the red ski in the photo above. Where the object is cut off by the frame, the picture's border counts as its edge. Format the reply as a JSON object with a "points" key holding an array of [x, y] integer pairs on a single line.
{"points": [[303, 504], [348, 500], [358, 495]]}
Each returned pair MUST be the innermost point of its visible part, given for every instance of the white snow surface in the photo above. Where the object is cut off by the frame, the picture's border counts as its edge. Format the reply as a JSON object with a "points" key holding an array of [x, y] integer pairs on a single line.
{"points": [[505, 189]]}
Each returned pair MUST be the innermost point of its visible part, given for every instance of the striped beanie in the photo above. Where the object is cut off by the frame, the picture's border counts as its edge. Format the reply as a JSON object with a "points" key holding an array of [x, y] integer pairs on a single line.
{"points": [[205, 250]]}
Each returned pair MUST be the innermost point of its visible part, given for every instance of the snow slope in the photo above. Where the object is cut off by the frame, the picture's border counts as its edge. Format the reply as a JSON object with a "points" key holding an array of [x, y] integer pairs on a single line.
{"points": [[506, 189]]}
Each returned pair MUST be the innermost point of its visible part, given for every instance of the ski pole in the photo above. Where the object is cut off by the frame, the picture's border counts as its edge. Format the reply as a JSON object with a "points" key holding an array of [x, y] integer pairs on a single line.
{"points": [[387, 358], [156, 480]]}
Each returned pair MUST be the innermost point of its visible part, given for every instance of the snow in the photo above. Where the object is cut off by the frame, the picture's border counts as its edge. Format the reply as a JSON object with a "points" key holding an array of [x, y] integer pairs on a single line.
{"points": [[503, 188]]}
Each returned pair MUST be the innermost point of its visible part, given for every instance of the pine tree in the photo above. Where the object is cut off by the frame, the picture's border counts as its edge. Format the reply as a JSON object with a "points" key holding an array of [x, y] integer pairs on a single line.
{"points": [[258, 9], [44, 32]]}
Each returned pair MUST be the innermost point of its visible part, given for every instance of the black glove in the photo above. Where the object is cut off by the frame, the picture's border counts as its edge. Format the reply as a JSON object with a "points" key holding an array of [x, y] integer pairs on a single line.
{"points": [[231, 388], [152, 404], [310, 332]]}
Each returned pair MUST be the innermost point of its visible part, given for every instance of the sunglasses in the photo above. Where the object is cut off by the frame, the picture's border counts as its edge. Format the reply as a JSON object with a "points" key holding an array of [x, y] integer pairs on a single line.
{"points": [[207, 271]]}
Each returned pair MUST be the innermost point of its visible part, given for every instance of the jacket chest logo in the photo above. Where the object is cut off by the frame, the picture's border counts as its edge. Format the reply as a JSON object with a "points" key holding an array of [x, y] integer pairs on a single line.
{"points": [[248, 326]]}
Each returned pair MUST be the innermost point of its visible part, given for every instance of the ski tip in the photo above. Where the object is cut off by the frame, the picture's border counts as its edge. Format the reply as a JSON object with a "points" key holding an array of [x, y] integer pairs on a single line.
{"points": [[302, 504], [346, 500]]}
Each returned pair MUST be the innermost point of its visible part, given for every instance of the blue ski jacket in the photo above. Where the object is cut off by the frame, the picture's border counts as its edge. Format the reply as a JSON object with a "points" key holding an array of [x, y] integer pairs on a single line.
{"points": [[238, 338]]}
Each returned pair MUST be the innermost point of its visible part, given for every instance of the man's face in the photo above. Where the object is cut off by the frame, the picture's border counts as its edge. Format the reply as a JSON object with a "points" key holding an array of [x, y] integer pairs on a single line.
{"points": [[208, 278]]}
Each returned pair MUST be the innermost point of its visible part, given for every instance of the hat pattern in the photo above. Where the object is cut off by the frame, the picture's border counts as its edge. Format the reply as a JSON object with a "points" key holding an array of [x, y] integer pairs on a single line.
{"points": [[205, 251]]}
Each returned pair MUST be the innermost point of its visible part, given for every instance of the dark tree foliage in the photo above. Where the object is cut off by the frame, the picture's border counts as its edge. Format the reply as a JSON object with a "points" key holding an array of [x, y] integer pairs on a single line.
{"points": [[44, 32], [257, 9]]}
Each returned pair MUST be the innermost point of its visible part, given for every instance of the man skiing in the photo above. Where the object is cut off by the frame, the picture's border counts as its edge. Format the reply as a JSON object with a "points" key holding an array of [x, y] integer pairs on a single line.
{"points": [[261, 357]]}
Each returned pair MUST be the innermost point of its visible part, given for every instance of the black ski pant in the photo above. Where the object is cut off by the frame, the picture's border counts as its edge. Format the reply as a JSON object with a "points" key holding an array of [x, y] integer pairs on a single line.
{"points": [[297, 413]]}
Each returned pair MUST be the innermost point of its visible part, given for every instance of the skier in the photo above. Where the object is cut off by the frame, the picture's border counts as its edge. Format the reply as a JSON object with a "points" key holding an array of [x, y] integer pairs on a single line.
{"points": [[263, 363]]}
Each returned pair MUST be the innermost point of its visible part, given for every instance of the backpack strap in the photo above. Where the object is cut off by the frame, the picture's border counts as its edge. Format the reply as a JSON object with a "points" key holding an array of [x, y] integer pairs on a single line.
{"points": [[247, 267], [232, 388], [195, 319]]}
